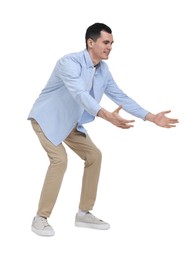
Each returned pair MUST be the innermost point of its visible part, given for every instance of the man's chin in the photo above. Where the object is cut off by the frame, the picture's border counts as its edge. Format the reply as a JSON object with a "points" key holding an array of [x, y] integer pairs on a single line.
{"points": [[106, 58]]}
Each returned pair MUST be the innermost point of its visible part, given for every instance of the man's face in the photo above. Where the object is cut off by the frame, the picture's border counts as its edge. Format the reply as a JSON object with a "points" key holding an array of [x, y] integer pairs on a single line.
{"points": [[100, 49]]}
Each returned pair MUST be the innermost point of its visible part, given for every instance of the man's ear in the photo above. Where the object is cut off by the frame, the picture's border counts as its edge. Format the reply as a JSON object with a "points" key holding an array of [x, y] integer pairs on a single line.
{"points": [[90, 43]]}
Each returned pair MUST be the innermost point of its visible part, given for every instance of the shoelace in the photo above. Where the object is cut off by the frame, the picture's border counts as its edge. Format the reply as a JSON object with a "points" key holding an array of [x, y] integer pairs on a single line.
{"points": [[44, 221], [94, 217]]}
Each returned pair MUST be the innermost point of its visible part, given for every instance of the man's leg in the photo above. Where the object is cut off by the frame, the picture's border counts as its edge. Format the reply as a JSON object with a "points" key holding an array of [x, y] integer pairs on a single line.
{"points": [[54, 176], [83, 146], [87, 150]]}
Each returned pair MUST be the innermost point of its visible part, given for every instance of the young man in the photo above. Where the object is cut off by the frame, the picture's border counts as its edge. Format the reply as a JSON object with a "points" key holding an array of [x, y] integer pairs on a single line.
{"points": [[70, 99]]}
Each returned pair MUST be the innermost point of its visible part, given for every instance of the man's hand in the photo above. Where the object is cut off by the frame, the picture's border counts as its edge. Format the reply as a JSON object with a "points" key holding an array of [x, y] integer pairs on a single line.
{"points": [[115, 118], [161, 120]]}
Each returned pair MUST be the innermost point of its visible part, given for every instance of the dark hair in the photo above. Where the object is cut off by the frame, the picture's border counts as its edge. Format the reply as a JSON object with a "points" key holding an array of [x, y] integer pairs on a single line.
{"points": [[94, 31]]}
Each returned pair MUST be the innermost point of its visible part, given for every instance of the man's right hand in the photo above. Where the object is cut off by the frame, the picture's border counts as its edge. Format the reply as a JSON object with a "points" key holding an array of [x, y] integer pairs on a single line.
{"points": [[115, 118]]}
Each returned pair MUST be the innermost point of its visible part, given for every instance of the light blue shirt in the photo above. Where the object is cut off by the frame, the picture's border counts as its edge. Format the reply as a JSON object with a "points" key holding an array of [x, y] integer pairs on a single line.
{"points": [[68, 99]]}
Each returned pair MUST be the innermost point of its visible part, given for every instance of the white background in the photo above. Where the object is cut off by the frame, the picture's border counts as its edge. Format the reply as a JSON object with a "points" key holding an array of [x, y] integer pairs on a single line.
{"points": [[147, 186]]}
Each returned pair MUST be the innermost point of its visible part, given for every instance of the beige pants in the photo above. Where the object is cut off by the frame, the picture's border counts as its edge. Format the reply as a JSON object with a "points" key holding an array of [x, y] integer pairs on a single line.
{"points": [[87, 151]]}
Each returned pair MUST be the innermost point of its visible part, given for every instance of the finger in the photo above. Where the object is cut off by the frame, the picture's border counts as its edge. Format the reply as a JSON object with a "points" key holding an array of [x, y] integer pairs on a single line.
{"points": [[173, 121], [170, 126], [126, 126], [166, 112], [125, 121], [117, 110]]}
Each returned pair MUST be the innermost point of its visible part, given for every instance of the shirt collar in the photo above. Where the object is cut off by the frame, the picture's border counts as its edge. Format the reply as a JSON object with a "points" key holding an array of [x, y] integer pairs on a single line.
{"points": [[88, 60]]}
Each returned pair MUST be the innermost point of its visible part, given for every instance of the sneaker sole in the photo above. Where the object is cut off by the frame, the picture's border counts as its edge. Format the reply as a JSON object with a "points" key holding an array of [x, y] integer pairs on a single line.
{"points": [[93, 226], [43, 233]]}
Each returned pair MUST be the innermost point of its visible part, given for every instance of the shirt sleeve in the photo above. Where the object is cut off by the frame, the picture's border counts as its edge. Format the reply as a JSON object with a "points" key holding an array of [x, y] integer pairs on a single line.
{"points": [[119, 97], [69, 70]]}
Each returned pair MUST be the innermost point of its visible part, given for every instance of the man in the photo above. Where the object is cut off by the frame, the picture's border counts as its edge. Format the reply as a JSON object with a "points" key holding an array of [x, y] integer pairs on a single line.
{"points": [[70, 99]]}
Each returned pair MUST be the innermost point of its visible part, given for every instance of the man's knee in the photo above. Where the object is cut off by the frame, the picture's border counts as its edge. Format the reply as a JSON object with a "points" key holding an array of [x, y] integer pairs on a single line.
{"points": [[94, 156], [59, 160]]}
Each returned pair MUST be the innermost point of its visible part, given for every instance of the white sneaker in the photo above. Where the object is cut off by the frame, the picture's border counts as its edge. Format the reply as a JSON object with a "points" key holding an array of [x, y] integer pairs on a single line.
{"points": [[90, 221], [41, 227]]}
